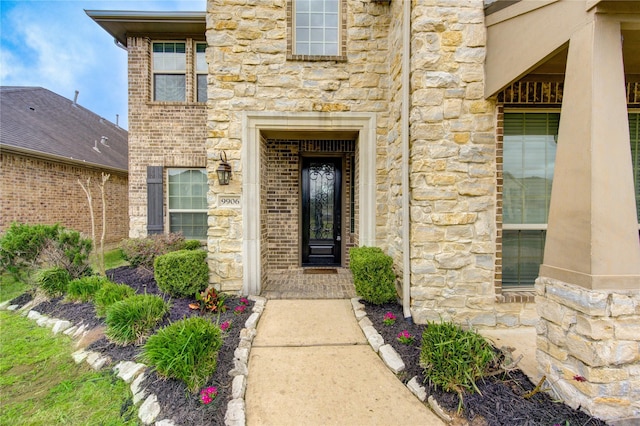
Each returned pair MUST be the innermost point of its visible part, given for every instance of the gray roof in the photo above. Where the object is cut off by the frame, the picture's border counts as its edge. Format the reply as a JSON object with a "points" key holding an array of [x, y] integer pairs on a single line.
{"points": [[38, 122]]}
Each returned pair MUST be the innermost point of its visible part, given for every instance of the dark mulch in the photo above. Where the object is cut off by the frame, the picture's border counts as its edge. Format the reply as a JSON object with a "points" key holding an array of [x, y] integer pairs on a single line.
{"points": [[501, 401], [175, 401]]}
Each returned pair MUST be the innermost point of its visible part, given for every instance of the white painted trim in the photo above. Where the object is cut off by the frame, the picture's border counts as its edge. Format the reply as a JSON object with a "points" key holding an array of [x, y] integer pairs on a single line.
{"points": [[253, 124]]}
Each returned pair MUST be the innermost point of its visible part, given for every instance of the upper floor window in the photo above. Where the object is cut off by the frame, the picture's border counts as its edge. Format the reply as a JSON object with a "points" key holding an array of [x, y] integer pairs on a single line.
{"points": [[201, 72], [634, 130], [169, 71], [316, 27]]}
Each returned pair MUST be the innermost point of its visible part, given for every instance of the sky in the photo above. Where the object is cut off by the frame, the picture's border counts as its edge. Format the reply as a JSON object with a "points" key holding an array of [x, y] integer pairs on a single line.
{"points": [[55, 45]]}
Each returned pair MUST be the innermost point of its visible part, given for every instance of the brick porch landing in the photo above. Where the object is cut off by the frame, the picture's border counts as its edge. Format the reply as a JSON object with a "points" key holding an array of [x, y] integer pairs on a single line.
{"points": [[295, 284]]}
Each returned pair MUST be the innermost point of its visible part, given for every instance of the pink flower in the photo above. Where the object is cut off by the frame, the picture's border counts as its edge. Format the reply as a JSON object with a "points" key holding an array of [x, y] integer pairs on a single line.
{"points": [[244, 301], [405, 337], [207, 395], [239, 309], [225, 325], [389, 318]]}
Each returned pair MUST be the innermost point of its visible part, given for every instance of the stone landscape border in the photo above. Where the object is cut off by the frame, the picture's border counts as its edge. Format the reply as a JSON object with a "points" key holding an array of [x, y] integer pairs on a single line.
{"points": [[134, 373], [391, 358]]}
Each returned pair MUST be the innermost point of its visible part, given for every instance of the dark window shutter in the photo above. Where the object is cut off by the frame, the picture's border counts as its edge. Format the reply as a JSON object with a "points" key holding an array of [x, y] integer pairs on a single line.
{"points": [[154, 200]]}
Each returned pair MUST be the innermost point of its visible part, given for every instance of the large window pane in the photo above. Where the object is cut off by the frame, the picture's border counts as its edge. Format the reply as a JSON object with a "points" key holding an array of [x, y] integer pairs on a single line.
{"points": [[529, 158], [522, 253], [188, 202], [316, 27], [169, 87], [169, 72]]}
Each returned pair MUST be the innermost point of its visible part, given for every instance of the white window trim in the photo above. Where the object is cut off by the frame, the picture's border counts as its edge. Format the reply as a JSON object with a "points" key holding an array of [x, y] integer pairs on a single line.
{"points": [[167, 196], [170, 72], [197, 72], [294, 32]]}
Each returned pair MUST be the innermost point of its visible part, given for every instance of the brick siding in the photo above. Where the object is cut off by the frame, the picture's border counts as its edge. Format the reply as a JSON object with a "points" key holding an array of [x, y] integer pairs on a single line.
{"points": [[38, 191]]}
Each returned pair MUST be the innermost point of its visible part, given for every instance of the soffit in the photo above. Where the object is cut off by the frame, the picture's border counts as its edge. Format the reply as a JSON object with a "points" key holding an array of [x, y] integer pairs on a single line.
{"points": [[121, 24]]}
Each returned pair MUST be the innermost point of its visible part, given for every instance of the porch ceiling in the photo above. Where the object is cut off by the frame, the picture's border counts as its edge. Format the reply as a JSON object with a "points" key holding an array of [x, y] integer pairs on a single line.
{"points": [[535, 41]]}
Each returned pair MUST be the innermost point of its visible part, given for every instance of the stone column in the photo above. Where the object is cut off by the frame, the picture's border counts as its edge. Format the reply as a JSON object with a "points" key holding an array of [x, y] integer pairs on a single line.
{"points": [[588, 295]]}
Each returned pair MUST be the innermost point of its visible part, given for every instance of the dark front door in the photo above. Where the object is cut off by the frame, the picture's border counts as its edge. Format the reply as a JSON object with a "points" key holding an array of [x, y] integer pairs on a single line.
{"points": [[321, 211]]}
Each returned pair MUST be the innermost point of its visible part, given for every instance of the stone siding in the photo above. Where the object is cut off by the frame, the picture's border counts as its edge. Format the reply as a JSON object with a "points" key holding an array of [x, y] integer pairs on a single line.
{"points": [[453, 168], [169, 134], [593, 335], [249, 71], [39, 191]]}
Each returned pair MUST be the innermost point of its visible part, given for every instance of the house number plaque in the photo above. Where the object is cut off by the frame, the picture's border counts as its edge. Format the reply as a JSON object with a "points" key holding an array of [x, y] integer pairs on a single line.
{"points": [[229, 201]]}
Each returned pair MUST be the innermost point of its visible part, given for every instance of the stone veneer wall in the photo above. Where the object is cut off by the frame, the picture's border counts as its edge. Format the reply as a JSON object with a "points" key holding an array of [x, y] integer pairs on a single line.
{"points": [[453, 170], [169, 134], [595, 336], [38, 191], [249, 71]]}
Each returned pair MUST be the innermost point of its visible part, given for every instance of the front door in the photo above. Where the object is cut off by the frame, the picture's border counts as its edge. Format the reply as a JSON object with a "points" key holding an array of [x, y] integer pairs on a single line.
{"points": [[321, 211]]}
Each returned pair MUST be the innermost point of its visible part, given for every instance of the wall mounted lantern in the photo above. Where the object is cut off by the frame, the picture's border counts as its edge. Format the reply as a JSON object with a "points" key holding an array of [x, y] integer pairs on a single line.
{"points": [[224, 170]]}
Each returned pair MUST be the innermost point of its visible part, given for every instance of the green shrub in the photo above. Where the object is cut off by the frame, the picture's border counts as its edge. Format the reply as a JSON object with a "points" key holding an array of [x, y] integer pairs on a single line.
{"points": [[54, 281], [191, 245], [453, 358], [186, 350], [109, 294], [23, 248], [143, 251], [373, 274], [182, 273], [21, 245], [131, 319], [84, 289]]}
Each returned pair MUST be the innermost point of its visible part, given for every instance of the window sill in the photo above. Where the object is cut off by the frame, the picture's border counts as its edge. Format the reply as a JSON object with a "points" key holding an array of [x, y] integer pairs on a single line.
{"points": [[317, 58], [175, 103], [517, 296]]}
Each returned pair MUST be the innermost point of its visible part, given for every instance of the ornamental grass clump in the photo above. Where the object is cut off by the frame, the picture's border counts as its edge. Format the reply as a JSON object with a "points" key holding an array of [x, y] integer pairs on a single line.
{"points": [[454, 359], [84, 289], [186, 350], [131, 319], [54, 281], [109, 294]]}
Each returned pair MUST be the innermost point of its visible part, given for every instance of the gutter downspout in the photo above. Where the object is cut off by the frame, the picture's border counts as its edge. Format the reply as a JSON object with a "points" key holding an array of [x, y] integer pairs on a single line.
{"points": [[406, 225]]}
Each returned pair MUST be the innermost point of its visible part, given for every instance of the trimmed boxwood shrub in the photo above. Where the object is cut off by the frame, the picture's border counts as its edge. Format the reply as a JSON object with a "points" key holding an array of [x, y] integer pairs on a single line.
{"points": [[130, 320], [109, 294], [54, 281], [84, 289], [182, 273], [373, 274], [186, 350]]}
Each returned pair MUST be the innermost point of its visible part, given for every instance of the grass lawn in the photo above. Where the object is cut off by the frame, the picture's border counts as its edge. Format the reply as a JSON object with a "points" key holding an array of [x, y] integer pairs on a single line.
{"points": [[41, 385], [11, 288]]}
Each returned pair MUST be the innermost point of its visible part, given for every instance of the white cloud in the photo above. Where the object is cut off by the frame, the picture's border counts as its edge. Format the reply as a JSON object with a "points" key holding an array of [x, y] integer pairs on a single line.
{"points": [[55, 45]]}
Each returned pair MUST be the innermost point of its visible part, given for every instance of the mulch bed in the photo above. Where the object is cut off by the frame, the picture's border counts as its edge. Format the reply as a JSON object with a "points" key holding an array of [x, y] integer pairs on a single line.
{"points": [[175, 401], [501, 401]]}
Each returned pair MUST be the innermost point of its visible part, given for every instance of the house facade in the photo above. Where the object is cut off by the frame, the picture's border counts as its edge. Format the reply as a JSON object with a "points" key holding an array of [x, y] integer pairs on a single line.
{"points": [[48, 146], [432, 129]]}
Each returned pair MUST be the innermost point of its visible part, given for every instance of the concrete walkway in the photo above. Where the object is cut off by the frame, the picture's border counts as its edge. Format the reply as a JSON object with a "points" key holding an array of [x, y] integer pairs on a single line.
{"points": [[310, 364]]}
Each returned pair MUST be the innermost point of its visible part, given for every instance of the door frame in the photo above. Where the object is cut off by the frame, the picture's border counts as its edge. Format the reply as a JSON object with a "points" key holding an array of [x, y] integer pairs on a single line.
{"points": [[340, 161], [257, 123]]}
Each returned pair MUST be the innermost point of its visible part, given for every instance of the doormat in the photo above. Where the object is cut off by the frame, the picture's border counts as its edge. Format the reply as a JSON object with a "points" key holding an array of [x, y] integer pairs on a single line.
{"points": [[320, 271]]}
